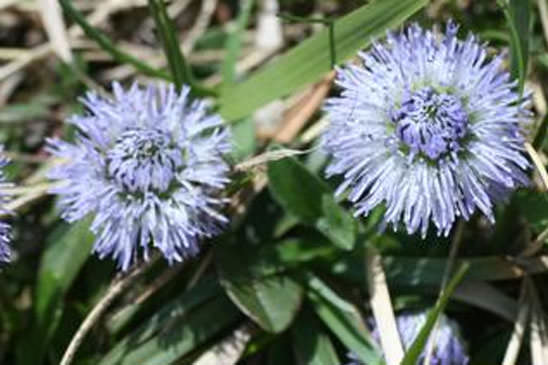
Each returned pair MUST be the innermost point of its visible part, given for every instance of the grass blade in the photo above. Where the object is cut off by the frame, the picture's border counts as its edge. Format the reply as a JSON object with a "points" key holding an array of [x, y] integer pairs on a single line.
{"points": [[517, 13], [342, 318], [310, 344], [309, 61], [308, 198], [67, 251], [234, 43], [168, 35], [106, 44], [175, 328], [417, 347]]}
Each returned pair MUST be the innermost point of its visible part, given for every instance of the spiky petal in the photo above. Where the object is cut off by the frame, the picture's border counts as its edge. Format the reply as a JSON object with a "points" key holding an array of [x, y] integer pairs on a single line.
{"points": [[149, 166], [430, 127]]}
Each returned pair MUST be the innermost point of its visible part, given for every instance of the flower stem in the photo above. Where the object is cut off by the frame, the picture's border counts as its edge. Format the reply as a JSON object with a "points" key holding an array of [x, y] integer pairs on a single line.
{"points": [[117, 287]]}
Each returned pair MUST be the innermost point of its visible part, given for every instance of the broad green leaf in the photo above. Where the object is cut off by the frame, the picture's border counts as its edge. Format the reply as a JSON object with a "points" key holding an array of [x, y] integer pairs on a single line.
{"points": [[67, 249], [240, 262], [177, 328], [308, 198], [337, 224], [414, 351], [272, 302], [296, 189], [295, 251], [272, 259], [310, 60], [310, 344], [250, 277], [284, 225], [534, 207], [343, 319]]}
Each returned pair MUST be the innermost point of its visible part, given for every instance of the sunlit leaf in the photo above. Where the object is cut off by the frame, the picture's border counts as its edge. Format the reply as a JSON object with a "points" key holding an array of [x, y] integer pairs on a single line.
{"points": [[310, 60]]}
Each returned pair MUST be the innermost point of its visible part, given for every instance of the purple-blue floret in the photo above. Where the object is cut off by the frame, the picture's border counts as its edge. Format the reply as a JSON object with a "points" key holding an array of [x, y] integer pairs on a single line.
{"points": [[149, 165], [5, 227], [448, 346], [430, 127]]}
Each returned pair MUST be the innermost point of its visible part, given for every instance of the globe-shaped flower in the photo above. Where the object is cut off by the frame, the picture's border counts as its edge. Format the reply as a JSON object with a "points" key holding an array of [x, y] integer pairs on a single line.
{"points": [[448, 349], [430, 126], [149, 165], [5, 228]]}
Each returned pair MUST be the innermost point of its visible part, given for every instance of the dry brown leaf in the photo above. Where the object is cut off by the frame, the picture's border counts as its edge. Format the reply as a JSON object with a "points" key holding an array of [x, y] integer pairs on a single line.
{"points": [[297, 116], [382, 308], [55, 28]]}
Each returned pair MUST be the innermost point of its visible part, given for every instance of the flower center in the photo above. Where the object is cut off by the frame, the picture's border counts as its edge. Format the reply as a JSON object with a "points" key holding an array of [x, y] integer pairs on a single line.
{"points": [[431, 123], [143, 159]]}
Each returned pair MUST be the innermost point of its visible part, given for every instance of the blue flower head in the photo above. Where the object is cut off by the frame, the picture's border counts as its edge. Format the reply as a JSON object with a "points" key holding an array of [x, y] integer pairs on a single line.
{"points": [[5, 228], [449, 349], [149, 165], [430, 126]]}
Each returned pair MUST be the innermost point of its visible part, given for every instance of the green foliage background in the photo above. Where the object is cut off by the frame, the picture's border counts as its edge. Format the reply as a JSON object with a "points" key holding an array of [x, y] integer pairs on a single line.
{"points": [[290, 272]]}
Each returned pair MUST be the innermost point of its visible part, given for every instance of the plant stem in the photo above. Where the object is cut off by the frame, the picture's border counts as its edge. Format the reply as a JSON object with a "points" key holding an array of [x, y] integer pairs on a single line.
{"points": [[117, 287], [107, 44]]}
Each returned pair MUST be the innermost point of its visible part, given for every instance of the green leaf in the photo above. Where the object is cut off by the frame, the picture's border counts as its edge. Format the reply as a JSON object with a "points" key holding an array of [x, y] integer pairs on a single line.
{"points": [[243, 137], [296, 189], [249, 277], [280, 352], [308, 198], [26, 111], [517, 14], [248, 262], [343, 319], [234, 42], [296, 251], [272, 302], [106, 44], [424, 271], [68, 248], [413, 353], [177, 328], [533, 206], [337, 224], [287, 254], [310, 60], [310, 344], [168, 35]]}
